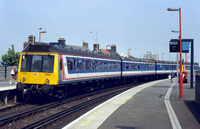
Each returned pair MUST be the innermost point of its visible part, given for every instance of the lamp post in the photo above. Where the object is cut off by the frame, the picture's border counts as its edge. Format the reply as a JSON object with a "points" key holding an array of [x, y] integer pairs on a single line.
{"points": [[106, 49], [96, 34], [162, 55], [40, 35], [181, 74], [147, 55], [169, 52], [128, 52], [33, 39]]}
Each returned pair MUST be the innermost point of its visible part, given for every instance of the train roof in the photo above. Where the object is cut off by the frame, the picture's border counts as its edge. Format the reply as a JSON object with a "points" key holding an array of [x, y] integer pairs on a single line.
{"points": [[71, 51], [146, 60]]}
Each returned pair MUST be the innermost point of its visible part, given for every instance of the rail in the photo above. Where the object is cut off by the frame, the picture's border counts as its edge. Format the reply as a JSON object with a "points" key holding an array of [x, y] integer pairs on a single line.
{"points": [[45, 121], [5, 119]]}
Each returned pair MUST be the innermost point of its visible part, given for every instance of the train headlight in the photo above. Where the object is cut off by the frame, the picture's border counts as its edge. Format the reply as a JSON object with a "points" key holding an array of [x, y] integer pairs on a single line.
{"points": [[24, 79], [47, 80]]}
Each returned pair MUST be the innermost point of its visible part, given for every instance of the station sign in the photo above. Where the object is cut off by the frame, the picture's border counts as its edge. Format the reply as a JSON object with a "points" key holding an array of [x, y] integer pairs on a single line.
{"points": [[174, 46]]}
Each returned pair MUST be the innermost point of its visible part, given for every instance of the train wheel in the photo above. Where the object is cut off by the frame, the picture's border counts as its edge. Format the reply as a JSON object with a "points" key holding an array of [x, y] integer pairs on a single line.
{"points": [[27, 95], [60, 93]]}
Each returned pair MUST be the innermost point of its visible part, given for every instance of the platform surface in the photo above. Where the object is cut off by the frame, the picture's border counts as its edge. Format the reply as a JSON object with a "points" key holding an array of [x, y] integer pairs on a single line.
{"points": [[154, 105], [5, 85]]}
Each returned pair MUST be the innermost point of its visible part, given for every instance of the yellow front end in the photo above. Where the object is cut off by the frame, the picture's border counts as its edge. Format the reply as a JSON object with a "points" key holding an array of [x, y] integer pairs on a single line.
{"points": [[30, 72]]}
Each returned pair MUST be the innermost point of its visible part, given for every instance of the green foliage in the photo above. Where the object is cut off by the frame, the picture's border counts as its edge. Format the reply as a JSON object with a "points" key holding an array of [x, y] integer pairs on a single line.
{"points": [[11, 58]]}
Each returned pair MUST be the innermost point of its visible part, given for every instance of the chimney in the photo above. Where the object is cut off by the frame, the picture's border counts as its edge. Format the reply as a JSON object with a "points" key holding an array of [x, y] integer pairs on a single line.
{"points": [[96, 46], [114, 47], [61, 40], [85, 44], [31, 38]]}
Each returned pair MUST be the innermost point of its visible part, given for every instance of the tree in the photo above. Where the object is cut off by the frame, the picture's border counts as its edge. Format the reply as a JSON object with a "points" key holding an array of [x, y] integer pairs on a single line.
{"points": [[11, 58]]}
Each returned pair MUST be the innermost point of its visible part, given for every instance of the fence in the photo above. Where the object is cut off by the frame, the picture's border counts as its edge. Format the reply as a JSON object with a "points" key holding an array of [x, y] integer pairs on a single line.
{"points": [[5, 72]]}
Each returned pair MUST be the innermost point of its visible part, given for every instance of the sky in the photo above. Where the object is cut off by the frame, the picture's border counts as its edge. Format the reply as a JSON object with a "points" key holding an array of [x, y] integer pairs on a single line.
{"points": [[139, 25]]}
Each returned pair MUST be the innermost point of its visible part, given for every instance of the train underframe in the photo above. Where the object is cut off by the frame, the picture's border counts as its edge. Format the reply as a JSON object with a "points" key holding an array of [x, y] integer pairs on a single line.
{"points": [[26, 91]]}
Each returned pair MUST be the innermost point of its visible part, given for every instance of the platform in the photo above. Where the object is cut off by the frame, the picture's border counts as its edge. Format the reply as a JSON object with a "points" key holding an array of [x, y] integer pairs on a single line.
{"points": [[149, 106], [5, 85]]}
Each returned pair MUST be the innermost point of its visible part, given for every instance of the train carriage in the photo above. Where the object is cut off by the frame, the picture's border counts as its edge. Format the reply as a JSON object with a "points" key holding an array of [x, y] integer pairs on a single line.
{"points": [[51, 70], [55, 71], [132, 66], [138, 69], [163, 67]]}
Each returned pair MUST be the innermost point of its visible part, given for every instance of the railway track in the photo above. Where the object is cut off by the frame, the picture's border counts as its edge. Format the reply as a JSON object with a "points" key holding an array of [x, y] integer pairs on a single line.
{"points": [[45, 121], [6, 120]]}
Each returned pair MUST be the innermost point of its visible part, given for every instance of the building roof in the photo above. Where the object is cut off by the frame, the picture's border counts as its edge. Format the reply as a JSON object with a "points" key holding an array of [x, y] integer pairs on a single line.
{"points": [[109, 52], [78, 48]]}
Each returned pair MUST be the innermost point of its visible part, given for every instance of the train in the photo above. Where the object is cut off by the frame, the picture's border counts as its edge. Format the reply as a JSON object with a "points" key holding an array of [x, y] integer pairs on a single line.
{"points": [[57, 71]]}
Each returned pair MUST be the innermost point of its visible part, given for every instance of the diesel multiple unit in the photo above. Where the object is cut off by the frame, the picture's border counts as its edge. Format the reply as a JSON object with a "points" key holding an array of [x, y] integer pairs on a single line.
{"points": [[56, 71]]}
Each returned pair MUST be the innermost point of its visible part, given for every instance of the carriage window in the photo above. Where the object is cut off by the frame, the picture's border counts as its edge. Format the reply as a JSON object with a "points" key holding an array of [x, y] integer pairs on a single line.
{"points": [[114, 65], [127, 66], [37, 63], [105, 65], [70, 63], [75, 64], [110, 65], [48, 62], [94, 65], [101, 65], [26, 65], [83, 64], [135, 66], [90, 65], [123, 66], [87, 64], [79, 64], [118, 67], [132, 66], [153, 66], [139, 66]]}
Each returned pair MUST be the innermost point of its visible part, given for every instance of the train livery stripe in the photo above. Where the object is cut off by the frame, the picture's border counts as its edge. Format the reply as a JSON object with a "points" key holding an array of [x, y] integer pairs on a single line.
{"points": [[111, 75], [90, 77], [138, 73]]}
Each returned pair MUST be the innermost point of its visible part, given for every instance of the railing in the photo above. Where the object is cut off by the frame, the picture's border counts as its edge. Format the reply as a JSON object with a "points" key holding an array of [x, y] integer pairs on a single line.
{"points": [[5, 72]]}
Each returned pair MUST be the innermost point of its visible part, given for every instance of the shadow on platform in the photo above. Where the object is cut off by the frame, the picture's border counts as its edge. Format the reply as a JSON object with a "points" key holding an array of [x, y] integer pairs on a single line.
{"points": [[161, 87], [125, 127], [194, 108]]}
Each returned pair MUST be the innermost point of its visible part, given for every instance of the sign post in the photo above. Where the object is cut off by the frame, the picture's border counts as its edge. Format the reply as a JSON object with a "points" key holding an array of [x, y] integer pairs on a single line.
{"points": [[174, 47]]}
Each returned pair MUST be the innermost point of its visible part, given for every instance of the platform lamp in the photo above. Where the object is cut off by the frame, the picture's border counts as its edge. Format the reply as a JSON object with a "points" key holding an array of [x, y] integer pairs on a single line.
{"points": [[96, 34], [106, 49], [40, 35], [128, 52], [162, 55], [180, 37]]}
